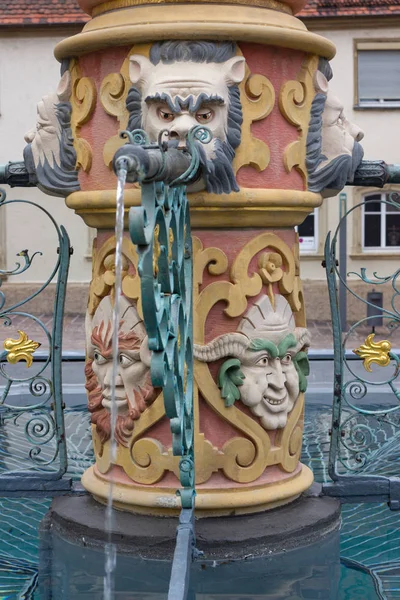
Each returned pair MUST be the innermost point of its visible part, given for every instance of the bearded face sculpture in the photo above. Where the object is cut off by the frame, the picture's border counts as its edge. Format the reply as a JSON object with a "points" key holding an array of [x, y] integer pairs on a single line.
{"points": [[185, 84], [134, 391], [50, 156], [333, 149], [268, 364]]}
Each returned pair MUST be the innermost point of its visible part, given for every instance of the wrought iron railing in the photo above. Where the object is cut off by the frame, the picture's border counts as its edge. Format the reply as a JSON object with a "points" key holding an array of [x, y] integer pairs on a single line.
{"points": [[37, 424], [161, 230], [361, 430]]}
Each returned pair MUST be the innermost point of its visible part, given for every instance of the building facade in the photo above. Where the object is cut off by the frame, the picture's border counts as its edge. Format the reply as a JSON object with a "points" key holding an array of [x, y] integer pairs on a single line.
{"points": [[29, 32], [366, 79]]}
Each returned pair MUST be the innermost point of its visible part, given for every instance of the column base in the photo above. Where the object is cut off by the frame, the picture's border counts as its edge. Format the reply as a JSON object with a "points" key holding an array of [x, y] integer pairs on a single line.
{"points": [[163, 501], [80, 521]]}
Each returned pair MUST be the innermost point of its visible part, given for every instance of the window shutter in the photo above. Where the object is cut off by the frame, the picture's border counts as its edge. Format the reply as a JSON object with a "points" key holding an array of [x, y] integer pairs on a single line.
{"points": [[379, 75]]}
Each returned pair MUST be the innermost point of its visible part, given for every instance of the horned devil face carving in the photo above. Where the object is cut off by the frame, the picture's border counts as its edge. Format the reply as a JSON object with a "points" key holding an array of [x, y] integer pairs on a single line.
{"points": [[268, 364], [133, 389], [185, 84], [271, 383]]}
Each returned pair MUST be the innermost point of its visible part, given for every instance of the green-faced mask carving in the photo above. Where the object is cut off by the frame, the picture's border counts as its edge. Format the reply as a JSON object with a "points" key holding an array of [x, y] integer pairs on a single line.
{"points": [[268, 365]]}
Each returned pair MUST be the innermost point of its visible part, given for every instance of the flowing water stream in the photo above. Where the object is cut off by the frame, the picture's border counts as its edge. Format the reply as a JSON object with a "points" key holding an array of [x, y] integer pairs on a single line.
{"points": [[110, 548]]}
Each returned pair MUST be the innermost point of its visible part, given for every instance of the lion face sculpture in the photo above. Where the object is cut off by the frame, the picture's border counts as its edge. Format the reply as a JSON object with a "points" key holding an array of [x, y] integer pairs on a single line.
{"points": [[189, 83]]}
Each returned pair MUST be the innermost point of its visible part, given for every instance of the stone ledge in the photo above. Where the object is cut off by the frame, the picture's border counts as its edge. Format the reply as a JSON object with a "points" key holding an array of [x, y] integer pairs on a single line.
{"points": [[75, 301], [315, 294], [317, 300], [80, 520]]}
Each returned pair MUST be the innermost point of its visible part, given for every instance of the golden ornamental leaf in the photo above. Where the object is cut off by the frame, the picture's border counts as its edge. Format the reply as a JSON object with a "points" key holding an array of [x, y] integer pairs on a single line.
{"points": [[374, 352], [21, 349]]}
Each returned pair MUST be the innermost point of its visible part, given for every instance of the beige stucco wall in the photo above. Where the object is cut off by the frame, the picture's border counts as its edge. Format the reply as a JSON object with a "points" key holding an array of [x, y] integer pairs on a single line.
{"points": [[28, 71], [380, 127]]}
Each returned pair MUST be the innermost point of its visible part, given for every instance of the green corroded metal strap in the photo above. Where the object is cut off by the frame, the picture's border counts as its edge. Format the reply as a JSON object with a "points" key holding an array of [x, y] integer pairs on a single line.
{"points": [[165, 268], [43, 419], [359, 430], [161, 230]]}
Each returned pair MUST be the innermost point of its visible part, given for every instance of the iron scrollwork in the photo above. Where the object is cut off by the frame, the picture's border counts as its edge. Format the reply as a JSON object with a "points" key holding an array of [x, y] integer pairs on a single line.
{"points": [[161, 230], [360, 429], [42, 419]]}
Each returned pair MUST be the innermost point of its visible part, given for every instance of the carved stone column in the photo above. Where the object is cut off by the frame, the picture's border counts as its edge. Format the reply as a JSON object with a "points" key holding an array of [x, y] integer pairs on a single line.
{"points": [[250, 328]]}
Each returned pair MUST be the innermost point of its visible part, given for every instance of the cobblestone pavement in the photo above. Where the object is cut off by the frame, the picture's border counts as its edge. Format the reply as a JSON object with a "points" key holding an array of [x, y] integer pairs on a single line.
{"points": [[74, 333]]}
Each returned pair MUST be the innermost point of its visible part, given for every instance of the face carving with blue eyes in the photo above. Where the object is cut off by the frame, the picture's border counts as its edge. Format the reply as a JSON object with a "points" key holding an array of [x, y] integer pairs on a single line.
{"points": [[181, 95], [184, 84]]}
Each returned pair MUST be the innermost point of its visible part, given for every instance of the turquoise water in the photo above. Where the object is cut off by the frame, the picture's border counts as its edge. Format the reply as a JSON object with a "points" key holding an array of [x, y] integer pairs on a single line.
{"points": [[356, 584], [370, 540]]}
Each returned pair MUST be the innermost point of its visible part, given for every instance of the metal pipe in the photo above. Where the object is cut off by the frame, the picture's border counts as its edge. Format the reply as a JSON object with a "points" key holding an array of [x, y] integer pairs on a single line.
{"points": [[15, 174], [152, 163], [370, 173], [375, 173]]}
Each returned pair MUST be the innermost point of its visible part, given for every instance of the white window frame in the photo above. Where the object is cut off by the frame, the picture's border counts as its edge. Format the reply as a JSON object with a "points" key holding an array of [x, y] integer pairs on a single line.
{"points": [[375, 45], [314, 250], [382, 248]]}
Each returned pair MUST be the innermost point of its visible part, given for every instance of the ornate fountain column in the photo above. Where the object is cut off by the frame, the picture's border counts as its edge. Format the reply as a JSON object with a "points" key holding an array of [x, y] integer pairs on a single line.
{"points": [[251, 72]]}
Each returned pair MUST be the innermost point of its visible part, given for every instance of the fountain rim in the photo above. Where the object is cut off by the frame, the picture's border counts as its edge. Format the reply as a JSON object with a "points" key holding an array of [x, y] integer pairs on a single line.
{"points": [[153, 22], [252, 207]]}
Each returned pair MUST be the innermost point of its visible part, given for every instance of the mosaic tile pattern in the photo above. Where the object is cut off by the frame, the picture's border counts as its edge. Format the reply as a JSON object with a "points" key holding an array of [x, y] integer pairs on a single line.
{"points": [[20, 517], [370, 532]]}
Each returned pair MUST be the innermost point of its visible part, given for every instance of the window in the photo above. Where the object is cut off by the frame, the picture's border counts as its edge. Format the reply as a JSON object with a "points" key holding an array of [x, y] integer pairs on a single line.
{"points": [[377, 69], [308, 233], [381, 223]]}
